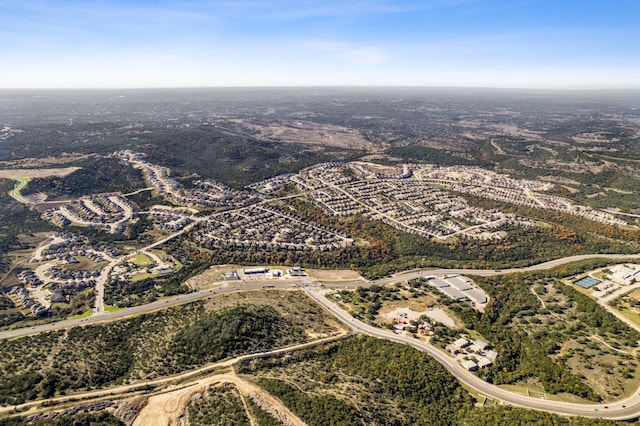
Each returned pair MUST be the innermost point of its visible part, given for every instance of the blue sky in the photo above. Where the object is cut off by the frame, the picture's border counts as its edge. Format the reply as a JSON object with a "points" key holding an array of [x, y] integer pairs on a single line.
{"points": [[191, 43]]}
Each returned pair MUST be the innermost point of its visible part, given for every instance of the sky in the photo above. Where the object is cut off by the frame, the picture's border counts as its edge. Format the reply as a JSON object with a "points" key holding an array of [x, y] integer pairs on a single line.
{"points": [[219, 43]]}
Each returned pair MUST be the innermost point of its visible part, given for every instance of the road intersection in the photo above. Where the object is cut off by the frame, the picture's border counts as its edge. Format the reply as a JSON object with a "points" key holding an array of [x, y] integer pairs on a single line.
{"points": [[624, 409]]}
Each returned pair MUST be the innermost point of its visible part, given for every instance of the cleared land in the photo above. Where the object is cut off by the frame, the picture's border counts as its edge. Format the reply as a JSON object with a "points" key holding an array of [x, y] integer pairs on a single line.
{"points": [[36, 173], [629, 306], [310, 133], [141, 260]]}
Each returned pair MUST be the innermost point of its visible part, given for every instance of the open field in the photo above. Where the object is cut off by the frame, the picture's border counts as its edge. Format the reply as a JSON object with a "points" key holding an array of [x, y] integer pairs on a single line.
{"points": [[36, 173], [310, 133], [111, 309], [330, 275], [82, 316], [629, 306], [40, 163], [211, 275], [141, 260], [144, 276]]}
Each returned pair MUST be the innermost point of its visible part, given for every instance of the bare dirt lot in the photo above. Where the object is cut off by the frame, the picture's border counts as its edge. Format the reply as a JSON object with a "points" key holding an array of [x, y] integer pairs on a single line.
{"points": [[169, 408], [330, 275], [36, 173], [210, 276], [37, 163], [307, 132]]}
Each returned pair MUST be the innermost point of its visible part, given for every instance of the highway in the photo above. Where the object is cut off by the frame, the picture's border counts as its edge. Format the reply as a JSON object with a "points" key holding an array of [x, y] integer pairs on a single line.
{"points": [[626, 409], [101, 316], [154, 306], [408, 275]]}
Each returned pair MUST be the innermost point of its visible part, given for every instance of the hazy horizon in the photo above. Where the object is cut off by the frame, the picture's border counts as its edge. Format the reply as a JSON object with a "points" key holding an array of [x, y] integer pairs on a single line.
{"points": [[332, 87], [69, 44]]}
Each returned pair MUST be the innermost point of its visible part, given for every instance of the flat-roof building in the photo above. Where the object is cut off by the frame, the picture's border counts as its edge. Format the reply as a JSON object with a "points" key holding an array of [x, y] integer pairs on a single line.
{"points": [[460, 283], [461, 343], [453, 293], [260, 270], [459, 287], [482, 345], [484, 362], [476, 296], [469, 365], [491, 355], [438, 283]]}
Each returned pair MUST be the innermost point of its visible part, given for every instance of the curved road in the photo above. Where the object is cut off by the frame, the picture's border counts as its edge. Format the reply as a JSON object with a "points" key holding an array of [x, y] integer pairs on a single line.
{"points": [[619, 410], [15, 193], [252, 285], [100, 315], [626, 409]]}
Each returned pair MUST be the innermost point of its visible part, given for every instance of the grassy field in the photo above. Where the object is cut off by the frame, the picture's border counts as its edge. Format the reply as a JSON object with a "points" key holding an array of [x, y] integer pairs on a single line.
{"points": [[141, 260], [144, 276], [82, 316], [21, 183], [629, 306], [111, 309]]}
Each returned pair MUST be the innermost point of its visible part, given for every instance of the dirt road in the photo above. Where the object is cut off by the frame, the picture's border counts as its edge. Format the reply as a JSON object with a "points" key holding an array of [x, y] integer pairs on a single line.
{"points": [[169, 408]]}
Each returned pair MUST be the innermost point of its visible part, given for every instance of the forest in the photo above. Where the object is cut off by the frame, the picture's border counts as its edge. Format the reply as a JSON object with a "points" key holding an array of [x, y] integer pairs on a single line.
{"points": [[388, 250], [551, 343], [150, 345], [363, 380]]}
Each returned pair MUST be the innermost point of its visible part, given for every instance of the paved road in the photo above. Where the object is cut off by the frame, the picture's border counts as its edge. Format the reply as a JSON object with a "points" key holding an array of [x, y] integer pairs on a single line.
{"points": [[159, 304], [252, 285], [408, 275], [628, 408], [106, 271], [621, 410], [20, 185]]}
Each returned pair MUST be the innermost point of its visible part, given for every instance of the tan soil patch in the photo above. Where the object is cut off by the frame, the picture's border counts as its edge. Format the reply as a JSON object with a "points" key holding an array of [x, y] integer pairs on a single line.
{"points": [[35, 163], [210, 276], [513, 130], [436, 314], [36, 173], [377, 168], [441, 316], [306, 132], [169, 408], [323, 274], [593, 137], [373, 157]]}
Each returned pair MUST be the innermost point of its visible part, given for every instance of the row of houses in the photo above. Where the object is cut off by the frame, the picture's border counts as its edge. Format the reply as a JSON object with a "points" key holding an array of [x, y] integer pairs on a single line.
{"points": [[410, 205], [267, 229], [28, 302], [169, 219], [28, 277], [105, 211]]}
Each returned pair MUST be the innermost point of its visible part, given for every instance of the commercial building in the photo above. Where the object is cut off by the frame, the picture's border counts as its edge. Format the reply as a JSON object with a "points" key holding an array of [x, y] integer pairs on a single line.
{"points": [[458, 287]]}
